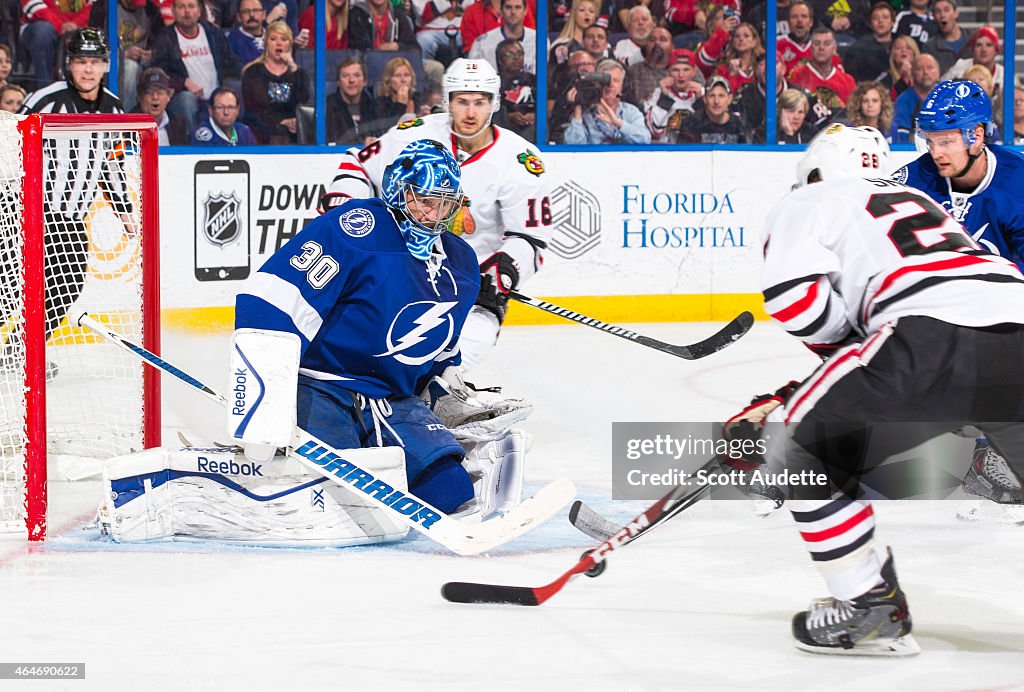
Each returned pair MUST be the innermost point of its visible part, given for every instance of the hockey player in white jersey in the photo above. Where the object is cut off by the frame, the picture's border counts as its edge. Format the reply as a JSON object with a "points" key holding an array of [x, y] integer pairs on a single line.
{"points": [[928, 329], [507, 221]]}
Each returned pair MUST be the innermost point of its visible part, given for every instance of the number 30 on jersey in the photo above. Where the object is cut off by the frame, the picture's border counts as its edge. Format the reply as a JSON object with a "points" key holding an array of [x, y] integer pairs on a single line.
{"points": [[319, 268]]}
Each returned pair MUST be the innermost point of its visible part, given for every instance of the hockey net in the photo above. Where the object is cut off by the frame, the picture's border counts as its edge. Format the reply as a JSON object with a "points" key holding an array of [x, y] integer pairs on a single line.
{"points": [[78, 233]]}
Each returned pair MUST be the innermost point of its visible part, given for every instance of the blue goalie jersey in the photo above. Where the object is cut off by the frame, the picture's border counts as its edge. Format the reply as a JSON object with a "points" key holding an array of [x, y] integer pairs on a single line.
{"points": [[370, 316], [993, 213]]}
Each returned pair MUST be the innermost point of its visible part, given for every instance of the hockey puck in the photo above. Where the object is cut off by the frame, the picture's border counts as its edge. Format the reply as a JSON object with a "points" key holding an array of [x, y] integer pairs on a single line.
{"points": [[597, 570]]}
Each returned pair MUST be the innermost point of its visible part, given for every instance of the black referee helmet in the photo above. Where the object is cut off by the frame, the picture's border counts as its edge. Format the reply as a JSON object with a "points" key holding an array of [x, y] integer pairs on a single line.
{"points": [[87, 42]]}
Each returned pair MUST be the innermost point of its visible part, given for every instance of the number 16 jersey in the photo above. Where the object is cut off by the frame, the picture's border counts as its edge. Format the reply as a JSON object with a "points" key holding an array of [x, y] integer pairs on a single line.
{"points": [[843, 258]]}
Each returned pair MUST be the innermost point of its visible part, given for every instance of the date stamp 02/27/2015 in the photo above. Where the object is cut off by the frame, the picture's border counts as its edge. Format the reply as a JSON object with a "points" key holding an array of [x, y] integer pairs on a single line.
{"points": [[42, 671]]}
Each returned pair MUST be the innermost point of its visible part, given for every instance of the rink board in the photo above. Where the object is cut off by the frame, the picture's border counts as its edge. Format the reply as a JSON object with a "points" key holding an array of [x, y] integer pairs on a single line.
{"points": [[667, 236]]}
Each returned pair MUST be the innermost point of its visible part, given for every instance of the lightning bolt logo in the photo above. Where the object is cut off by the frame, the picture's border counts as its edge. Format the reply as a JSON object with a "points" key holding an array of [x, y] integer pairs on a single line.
{"points": [[432, 315]]}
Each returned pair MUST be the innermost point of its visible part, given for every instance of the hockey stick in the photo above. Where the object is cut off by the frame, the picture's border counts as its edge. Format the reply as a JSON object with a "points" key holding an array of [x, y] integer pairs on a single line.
{"points": [[590, 522], [320, 457], [592, 562], [739, 326]]}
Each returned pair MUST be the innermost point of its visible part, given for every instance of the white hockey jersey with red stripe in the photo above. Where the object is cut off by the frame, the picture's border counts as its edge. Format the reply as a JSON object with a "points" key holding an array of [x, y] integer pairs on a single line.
{"points": [[506, 184], [843, 258]]}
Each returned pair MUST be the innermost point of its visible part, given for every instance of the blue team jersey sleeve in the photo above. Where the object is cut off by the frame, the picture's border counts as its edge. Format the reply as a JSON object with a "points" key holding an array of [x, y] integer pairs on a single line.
{"points": [[298, 286]]}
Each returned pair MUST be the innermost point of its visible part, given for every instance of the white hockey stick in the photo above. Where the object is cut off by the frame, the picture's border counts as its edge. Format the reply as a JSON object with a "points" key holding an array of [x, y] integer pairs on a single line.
{"points": [[321, 458]]}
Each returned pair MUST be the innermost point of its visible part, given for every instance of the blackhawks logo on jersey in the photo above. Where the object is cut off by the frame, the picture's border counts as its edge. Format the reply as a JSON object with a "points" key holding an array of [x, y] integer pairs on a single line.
{"points": [[410, 123], [531, 162], [463, 223]]}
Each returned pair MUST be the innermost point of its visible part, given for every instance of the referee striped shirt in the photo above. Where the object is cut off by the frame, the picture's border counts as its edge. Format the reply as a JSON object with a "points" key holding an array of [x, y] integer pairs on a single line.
{"points": [[77, 164]]}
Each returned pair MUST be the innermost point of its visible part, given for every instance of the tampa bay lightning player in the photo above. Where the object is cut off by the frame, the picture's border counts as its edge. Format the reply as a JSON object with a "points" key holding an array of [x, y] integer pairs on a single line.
{"points": [[377, 293], [978, 183]]}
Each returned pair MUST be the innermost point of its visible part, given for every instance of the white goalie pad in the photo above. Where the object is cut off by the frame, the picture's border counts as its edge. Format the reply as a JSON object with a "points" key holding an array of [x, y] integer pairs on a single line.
{"points": [[497, 468], [196, 493], [263, 385], [472, 415]]}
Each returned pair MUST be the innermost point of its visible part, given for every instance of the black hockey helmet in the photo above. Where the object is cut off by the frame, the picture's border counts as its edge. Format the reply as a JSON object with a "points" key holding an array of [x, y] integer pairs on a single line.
{"points": [[87, 42]]}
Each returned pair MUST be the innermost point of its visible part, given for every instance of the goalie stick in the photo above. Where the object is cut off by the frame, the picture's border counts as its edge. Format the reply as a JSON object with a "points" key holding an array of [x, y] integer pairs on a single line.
{"points": [[321, 458], [592, 563], [739, 326]]}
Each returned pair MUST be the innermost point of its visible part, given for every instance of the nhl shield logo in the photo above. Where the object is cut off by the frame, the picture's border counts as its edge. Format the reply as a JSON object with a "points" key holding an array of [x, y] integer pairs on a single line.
{"points": [[222, 223]]}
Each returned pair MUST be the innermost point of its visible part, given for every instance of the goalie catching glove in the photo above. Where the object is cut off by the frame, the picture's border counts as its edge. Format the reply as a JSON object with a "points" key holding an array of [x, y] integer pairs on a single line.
{"points": [[499, 274], [472, 415]]}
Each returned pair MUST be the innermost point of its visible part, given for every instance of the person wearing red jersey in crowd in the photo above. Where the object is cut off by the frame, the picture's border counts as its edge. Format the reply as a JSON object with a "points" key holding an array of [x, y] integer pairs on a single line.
{"points": [[381, 25], [795, 47], [711, 50], [740, 59], [822, 76], [336, 24], [44, 23]]}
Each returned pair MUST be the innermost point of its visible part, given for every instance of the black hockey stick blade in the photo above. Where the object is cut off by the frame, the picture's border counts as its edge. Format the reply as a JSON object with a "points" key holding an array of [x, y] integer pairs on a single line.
{"points": [[739, 326], [469, 592], [725, 336], [590, 522]]}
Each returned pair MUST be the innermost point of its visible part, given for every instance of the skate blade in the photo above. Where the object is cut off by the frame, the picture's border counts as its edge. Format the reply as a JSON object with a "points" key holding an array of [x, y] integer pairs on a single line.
{"points": [[990, 512], [901, 646]]}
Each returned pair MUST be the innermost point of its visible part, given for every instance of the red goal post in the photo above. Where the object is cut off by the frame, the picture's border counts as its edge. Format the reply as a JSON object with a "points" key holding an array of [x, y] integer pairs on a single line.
{"points": [[88, 209]]}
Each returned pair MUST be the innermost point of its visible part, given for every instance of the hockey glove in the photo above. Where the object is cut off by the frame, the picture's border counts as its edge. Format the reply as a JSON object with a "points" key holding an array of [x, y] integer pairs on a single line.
{"points": [[499, 274], [472, 414], [744, 433]]}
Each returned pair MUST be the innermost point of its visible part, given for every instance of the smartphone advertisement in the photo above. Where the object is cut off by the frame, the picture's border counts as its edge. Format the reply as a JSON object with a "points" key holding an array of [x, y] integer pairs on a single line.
{"points": [[222, 220]]}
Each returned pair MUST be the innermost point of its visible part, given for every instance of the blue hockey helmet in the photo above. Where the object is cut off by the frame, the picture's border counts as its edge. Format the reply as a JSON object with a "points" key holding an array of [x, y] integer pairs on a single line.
{"points": [[426, 177], [955, 105]]}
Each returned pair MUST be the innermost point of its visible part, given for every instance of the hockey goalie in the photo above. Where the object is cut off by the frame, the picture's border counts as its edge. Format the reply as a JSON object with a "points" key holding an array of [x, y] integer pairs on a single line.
{"points": [[349, 332]]}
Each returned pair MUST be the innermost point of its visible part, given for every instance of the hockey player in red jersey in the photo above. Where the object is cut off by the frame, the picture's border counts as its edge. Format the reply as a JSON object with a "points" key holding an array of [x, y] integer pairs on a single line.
{"points": [[921, 323]]}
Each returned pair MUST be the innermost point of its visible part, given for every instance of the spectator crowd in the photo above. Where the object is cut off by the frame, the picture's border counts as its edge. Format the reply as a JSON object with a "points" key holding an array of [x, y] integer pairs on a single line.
{"points": [[228, 72]]}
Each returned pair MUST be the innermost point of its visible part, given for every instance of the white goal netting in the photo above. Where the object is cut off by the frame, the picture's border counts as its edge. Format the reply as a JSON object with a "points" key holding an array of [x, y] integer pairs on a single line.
{"points": [[91, 260]]}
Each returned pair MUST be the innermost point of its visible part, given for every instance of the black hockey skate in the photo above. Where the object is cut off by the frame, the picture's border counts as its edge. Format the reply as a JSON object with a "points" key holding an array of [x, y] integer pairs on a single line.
{"points": [[992, 478], [876, 623]]}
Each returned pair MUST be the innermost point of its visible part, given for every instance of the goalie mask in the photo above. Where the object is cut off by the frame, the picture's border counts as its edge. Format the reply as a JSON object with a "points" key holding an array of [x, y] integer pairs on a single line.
{"points": [[839, 152], [424, 187]]}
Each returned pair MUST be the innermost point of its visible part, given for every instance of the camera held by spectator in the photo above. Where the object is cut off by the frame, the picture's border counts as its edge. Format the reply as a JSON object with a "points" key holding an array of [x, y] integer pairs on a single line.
{"points": [[589, 87]]}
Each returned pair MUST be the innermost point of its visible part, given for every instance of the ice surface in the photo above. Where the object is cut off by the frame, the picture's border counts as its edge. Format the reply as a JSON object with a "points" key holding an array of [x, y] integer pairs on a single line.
{"points": [[702, 603]]}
